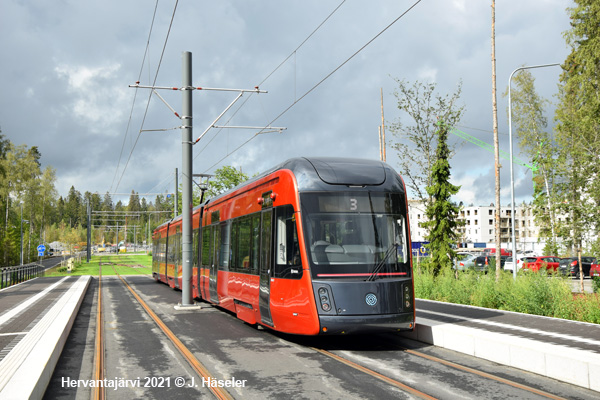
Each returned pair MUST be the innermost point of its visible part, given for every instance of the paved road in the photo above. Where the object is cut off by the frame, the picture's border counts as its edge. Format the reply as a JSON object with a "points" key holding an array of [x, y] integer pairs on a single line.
{"points": [[271, 365]]}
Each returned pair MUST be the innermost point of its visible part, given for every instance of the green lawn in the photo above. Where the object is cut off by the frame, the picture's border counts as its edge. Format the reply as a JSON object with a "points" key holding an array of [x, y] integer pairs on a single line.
{"points": [[124, 264]]}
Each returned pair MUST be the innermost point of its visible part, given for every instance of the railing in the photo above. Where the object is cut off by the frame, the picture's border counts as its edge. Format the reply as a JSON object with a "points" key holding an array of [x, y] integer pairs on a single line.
{"points": [[12, 275]]}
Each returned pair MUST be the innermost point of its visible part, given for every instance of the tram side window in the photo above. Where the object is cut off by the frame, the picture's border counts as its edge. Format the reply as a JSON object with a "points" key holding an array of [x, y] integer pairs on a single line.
{"points": [[171, 249], [244, 242], [205, 246], [195, 247], [287, 249], [255, 243], [225, 245], [233, 261], [163, 250]]}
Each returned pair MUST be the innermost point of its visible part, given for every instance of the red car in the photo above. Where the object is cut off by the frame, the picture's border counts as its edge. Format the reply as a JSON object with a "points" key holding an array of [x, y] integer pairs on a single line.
{"points": [[535, 263], [595, 270]]}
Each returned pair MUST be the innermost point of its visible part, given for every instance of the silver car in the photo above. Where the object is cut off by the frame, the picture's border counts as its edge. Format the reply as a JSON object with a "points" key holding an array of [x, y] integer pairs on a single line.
{"points": [[464, 261]]}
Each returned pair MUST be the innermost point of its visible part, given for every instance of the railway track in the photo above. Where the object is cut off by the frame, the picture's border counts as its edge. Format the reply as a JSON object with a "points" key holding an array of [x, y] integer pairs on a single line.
{"points": [[202, 372], [386, 363], [420, 394]]}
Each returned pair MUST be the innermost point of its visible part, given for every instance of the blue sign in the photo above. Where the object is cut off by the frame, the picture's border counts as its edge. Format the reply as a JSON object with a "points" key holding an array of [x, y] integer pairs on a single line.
{"points": [[41, 249], [40, 254]]}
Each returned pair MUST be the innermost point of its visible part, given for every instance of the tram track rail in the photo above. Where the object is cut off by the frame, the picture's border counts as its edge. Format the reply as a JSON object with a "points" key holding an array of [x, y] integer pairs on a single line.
{"points": [[98, 393], [438, 360], [195, 364], [481, 374], [386, 379]]}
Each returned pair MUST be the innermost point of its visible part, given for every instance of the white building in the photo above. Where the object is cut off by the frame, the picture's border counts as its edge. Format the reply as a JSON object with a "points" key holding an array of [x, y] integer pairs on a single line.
{"points": [[479, 229]]}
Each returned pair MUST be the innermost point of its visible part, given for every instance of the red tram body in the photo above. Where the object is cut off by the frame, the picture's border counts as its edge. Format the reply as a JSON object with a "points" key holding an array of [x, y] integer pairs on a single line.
{"points": [[313, 246]]}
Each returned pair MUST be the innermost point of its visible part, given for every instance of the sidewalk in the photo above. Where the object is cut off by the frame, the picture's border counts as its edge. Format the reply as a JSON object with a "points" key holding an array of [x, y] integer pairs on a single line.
{"points": [[35, 322]]}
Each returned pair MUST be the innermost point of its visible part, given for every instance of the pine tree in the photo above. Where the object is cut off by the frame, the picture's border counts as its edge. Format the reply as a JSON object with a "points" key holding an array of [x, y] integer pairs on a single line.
{"points": [[442, 213]]}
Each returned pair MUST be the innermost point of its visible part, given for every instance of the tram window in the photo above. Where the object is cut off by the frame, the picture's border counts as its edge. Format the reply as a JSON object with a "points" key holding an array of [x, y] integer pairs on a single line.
{"points": [[195, 247], [171, 249], [244, 244], [163, 249], [216, 237], [225, 243], [255, 243], [402, 248], [287, 249], [206, 245], [233, 262]]}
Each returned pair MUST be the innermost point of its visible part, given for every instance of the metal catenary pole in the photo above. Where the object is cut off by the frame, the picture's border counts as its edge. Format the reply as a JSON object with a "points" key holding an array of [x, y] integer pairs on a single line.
{"points": [[187, 173], [186, 200], [89, 232]]}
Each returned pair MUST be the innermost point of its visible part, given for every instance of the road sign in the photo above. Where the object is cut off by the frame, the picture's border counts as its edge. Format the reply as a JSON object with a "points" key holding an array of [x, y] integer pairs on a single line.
{"points": [[41, 249], [40, 254]]}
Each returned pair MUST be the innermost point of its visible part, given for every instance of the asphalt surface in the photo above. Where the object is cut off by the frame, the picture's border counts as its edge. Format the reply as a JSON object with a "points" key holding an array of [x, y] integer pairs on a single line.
{"points": [[269, 364]]}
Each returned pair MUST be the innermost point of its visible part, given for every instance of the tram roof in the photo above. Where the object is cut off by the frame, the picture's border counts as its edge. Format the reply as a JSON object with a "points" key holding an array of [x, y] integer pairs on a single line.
{"points": [[333, 174], [330, 174]]}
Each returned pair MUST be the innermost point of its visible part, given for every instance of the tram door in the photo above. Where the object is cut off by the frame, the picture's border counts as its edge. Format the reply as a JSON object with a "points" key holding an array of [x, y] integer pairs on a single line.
{"points": [[215, 236], [265, 267]]}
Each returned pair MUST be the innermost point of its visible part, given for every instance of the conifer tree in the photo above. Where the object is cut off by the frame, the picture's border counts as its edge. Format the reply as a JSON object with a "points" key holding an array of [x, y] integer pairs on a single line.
{"points": [[442, 213]]}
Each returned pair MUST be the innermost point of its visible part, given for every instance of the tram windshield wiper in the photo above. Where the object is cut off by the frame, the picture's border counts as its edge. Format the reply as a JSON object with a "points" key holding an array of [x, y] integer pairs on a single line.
{"points": [[387, 255]]}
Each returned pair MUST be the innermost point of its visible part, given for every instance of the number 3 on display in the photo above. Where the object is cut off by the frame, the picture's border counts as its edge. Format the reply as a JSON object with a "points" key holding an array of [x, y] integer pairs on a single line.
{"points": [[353, 205]]}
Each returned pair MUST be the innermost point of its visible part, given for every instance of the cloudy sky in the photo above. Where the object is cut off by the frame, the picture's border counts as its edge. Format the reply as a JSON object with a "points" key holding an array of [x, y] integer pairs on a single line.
{"points": [[67, 65]]}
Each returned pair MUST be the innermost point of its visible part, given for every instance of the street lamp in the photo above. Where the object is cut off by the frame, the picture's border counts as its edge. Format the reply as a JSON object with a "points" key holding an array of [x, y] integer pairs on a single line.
{"points": [[512, 175]]}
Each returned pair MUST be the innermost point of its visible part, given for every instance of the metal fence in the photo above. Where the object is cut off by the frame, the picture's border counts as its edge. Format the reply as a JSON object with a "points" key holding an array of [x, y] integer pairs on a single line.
{"points": [[12, 275]]}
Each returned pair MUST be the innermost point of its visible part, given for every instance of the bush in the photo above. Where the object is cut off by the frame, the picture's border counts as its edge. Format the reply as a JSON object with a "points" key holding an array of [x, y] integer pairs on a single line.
{"points": [[596, 284], [530, 293]]}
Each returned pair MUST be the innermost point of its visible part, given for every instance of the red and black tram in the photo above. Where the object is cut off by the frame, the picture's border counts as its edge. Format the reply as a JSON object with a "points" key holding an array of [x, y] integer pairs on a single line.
{"points": [[313, 246]]}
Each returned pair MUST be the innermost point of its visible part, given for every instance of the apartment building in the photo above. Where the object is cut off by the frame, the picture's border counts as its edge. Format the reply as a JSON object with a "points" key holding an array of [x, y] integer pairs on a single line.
{"points": [[479, 228]]}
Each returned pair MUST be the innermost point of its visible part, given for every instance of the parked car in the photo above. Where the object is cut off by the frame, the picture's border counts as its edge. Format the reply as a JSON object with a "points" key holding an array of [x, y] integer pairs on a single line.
{"points": [[550, 263], [509, 264], [570, 266], [464, 261], [492, 251], [595, 269]]}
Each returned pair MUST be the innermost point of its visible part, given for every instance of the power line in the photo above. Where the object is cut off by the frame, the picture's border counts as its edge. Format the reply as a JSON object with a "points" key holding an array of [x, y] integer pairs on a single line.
{"points": [[301, 44], [268, 76], [135, 94], [322, 80], [150, 95]]}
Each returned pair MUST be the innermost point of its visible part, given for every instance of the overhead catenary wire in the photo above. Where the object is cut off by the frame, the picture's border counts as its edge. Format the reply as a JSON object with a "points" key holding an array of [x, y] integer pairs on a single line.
{"points": [[320, 82], [150, 95], [135, 95], [269, 75]]}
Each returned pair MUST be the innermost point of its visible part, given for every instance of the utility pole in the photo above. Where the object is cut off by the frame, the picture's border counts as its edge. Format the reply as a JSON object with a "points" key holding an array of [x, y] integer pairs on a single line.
{"points": [[496, 144], [186, 173], [187, 143], [176, 195], [89, 232]]}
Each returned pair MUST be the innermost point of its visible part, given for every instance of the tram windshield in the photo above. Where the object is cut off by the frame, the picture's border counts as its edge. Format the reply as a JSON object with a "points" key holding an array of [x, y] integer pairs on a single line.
{"points": [[356, 235]]}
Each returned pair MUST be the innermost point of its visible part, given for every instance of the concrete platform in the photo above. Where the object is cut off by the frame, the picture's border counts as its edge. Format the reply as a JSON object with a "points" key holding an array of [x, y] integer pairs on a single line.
{"points": [[35, 320], [567, 351]]}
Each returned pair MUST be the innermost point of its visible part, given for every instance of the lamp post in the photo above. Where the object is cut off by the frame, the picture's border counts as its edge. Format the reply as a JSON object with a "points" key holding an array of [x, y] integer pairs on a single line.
{"points": [[512, 175]]}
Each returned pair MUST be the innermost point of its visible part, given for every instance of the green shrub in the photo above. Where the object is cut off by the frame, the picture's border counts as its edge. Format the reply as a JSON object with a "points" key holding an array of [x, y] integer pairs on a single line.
{"points": [[531, 293], [596, 284]]}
